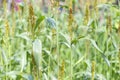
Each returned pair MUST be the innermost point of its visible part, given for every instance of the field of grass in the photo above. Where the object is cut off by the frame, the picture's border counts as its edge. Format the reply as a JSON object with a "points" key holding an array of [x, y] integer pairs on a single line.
{"points": [[79, 40]]}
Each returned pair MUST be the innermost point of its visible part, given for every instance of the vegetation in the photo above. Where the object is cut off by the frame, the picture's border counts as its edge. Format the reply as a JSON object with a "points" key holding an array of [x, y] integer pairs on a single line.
{"points": [[78, 40]]}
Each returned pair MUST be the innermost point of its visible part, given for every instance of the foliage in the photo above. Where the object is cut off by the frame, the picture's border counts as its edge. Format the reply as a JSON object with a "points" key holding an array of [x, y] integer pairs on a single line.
{"points": [[62, 44]]}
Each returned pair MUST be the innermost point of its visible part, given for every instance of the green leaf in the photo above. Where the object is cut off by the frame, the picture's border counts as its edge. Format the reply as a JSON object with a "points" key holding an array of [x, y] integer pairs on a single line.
{"points": [[64, 6], [27, 76], [39, 20], [67, 37], [12, 74], [37, 51], [74, 41], [66, 44], [79, 61], [95, 45], [24, 35], [114, 42], [4, 57], [23, 61], [106, 60]]}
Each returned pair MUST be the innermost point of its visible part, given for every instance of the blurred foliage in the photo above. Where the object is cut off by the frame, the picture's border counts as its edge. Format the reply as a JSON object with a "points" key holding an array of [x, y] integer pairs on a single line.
{"points": [[56, 44]]}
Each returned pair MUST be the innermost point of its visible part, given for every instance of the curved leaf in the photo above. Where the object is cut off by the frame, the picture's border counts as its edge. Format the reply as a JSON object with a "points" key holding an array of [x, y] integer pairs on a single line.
{"points": [[96, 46], [39, 20], [37, 51]]}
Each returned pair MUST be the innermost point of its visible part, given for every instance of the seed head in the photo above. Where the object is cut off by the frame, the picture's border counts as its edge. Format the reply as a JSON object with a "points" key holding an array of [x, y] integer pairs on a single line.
{"points": [[95, 7], [7, 29], [31, 17], [61, 73], [86, 18], [109, 24], [93, 69]]}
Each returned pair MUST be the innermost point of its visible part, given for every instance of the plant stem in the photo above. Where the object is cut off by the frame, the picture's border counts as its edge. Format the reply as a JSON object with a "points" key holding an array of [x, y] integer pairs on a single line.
{"points": [[50, 59], [71, 68], [58, 55]]}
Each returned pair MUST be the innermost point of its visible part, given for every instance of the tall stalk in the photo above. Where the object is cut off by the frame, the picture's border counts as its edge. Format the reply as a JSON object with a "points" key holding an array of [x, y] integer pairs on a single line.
{"points": [[7, 45], [56, 3], [70, 28], [96, 19], [35, 70], [94, 31], [86, 20], [58, 55]]}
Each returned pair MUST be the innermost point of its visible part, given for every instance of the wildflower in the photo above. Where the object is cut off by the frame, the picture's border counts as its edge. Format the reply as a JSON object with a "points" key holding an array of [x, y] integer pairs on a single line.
{"points": [[17, 2]]}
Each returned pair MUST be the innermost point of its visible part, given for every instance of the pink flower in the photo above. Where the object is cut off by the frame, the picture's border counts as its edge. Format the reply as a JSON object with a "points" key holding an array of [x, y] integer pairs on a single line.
{"points": [[18, 1], [16, 7], [17, 4]]}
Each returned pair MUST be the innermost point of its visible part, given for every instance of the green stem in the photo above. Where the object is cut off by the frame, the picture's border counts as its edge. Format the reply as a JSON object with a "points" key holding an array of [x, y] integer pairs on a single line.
{"points": [[71, 68], [49, 60], [58, 55]]}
